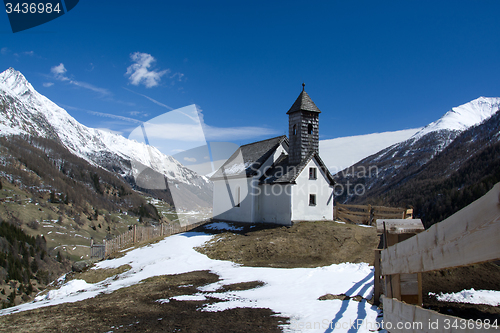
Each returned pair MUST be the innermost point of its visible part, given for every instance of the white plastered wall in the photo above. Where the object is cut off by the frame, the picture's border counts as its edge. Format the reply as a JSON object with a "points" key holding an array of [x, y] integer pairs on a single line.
{"points": [[301, 210], [274, 204], [226, 199]]}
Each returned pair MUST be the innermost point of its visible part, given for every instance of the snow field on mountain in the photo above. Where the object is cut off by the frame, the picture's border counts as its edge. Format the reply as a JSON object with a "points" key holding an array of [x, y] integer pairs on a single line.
{"points": [[464, 116], [341, 153], [292, 292]]}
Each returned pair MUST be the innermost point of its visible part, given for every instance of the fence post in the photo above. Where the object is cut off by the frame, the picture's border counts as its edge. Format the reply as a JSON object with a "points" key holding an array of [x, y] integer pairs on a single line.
{"points": [[135, 233], [376, 279]]}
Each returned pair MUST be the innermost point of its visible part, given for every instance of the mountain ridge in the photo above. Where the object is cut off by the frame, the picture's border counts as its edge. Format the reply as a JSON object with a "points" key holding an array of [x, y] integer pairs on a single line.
{"points": [[25, 111]]}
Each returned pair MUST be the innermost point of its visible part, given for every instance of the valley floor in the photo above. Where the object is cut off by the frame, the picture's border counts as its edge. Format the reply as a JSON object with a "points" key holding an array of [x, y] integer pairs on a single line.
{"points": [[172, 287]]}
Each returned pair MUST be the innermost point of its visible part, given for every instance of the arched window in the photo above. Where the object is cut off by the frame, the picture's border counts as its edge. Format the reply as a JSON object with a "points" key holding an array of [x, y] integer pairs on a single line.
{"points": [[294, 129], [310, 129]]}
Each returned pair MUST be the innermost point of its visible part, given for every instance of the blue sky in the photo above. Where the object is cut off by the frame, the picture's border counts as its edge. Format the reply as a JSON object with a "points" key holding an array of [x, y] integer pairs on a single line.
{"points": [[370, 66]]}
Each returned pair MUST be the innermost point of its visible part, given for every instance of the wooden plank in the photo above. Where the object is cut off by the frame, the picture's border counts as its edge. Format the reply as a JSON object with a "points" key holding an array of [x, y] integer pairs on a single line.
{"points": [[345, 211], [388, 209], [469, 236], [364, 207], [389, 215], [420, 297], [396, 286], [388, 286], [351, 217], [401, 317], [376, 278], [409, 284], [398, 226]]}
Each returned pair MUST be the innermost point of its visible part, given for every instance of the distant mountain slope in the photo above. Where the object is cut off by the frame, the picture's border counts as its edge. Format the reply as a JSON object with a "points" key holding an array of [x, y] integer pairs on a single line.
{"points": [[460, 174], [24, 111], [341, 153], [441, 156]]}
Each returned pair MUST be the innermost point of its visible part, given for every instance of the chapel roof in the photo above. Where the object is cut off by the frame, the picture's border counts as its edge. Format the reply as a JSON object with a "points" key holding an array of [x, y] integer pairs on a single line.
{"points": [[284, 172], [303, 103], [247, 159]]}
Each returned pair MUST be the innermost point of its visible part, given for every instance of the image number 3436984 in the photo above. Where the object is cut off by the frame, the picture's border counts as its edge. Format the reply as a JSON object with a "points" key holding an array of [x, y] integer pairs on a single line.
{"points": [[27, 14]]}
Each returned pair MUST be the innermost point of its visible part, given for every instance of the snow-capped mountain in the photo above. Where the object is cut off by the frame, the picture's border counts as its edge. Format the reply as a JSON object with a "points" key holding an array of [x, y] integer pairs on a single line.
{"points": [[399, 162], [464, 116], [24, 111]]}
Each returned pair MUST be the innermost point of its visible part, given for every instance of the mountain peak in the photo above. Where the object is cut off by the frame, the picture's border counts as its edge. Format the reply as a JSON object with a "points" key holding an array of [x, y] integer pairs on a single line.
{"points": [[464, 116], [15, 81]]}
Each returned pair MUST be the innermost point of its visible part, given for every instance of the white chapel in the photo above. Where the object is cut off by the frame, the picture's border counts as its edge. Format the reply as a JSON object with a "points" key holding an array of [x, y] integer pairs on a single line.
{"points": [[280, 180]]}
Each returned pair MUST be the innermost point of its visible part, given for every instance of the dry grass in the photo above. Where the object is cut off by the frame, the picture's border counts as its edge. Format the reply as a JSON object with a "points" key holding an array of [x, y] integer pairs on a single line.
{"points": [[98, 275], [306, 244]]}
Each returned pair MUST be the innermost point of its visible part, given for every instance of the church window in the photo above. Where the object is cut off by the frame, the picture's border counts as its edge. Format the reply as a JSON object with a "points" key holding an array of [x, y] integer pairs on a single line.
{"points": [[294, 129], [309, 129], [312, 173], [312, 199]]}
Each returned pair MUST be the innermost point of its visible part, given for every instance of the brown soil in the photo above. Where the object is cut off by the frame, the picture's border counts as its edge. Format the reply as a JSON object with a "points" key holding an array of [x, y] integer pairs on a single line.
{"points": [[306, 244], [135, 309]]}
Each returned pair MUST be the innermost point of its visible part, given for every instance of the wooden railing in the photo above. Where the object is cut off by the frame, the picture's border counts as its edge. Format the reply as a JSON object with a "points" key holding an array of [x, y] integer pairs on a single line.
{"points": [[468, 237], [367, 214], [135, 235]]}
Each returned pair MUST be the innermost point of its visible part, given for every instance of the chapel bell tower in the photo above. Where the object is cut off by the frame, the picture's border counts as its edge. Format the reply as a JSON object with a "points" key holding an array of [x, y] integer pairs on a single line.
{"points": [[303, 122]]}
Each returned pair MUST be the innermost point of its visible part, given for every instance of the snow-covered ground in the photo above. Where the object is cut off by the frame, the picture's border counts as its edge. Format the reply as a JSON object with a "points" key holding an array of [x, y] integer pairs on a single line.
{"points": [[291, 292], [488, 297], [222, 226]]}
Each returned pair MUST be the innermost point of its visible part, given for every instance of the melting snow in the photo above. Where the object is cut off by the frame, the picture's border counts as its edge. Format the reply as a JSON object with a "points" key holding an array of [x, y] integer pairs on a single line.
{"points": [[222, 226], [290, 292], [489, 297]]}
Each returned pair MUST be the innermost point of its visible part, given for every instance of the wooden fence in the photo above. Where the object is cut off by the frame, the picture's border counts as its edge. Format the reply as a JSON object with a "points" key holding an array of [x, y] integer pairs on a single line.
{"points": [[135, 235], [468, 237], [367, 214]]}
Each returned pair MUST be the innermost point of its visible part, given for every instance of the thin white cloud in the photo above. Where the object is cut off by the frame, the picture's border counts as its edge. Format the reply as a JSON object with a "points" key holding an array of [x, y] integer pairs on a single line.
{"points": [[30, 53], [190, 159], [90, 87], [59, 73], [4, 50], [151, 99], [140, 71], [48, 84], [114, 116]]}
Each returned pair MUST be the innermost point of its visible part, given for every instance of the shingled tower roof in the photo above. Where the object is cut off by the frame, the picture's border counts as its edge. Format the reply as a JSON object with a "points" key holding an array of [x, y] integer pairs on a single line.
{"points": [[303, 103]]}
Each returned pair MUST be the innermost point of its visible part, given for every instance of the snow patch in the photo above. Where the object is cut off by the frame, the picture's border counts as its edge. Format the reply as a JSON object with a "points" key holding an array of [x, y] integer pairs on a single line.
{"points": [[489, 297], [222, 226]]}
